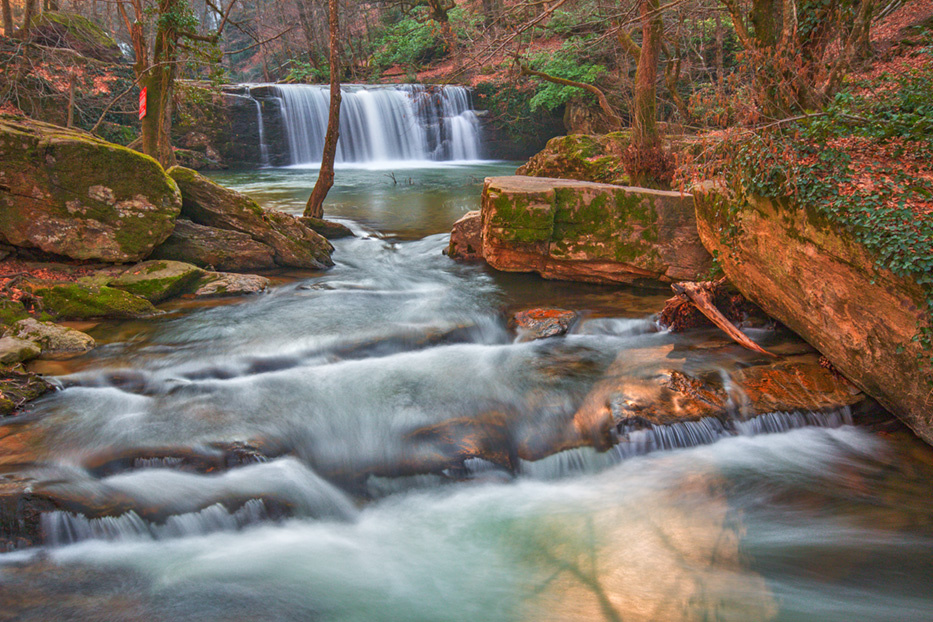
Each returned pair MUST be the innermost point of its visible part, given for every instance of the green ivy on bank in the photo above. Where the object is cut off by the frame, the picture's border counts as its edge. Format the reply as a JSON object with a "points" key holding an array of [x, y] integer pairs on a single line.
{"points": [[799, 160]]}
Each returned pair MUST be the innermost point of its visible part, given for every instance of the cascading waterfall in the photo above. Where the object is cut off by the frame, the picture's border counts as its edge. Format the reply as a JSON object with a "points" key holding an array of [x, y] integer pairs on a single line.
{"points": [[263, 147], [382, 123]]}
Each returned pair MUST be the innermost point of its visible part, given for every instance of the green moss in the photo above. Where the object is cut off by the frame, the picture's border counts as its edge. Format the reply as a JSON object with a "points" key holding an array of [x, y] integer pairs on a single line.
{"points": [[76, 301], [11, 311], [525, 218]]}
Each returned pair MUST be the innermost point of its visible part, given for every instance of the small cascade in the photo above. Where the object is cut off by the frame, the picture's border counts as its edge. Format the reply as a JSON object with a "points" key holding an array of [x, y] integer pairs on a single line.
{"points": [[382, 123], [640, 440], [263, 147], [61, 528]]}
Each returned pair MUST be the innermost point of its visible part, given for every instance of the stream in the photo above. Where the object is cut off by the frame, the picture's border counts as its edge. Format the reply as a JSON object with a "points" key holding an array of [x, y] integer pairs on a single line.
{"points": [[372, 442]]}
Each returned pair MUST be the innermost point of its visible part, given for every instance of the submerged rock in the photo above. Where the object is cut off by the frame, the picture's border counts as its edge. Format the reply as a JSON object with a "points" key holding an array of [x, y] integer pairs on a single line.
{"points": [[209, 204], [542, 323], [581, 157], [583, 231], [65, 192], [159, 280], [466, 238], [215, 249], [53, 338], [80, 302], [818, 280]]}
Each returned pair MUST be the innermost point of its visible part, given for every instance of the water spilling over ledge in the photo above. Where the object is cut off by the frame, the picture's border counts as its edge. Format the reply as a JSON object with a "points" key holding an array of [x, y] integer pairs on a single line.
{"points": [[378, 123]]}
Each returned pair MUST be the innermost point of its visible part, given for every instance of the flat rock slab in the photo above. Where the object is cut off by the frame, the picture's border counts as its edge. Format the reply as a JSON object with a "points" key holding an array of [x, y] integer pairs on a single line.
{"points": [[14, 350], [217, 284], [53, 338], [215, 249], [576, 230], [159, 280]]}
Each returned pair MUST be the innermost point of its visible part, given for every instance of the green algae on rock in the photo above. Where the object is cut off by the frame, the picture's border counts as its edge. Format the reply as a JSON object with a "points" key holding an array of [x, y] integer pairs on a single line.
{"points": [[602, 233], [78, 301], [159, 279], [67, 193], [582, 157]]}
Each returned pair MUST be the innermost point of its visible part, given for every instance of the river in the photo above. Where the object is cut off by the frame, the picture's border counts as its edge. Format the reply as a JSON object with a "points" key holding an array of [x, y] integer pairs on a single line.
{"points": [[349, 398]]}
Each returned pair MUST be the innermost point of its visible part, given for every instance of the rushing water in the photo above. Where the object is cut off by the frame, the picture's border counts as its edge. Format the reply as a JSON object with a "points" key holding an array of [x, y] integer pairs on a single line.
{"points": [[371, 405]]}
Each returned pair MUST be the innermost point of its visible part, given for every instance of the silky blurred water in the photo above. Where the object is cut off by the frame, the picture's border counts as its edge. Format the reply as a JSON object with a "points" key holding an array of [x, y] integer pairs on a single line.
{"points": [[366, 385]]}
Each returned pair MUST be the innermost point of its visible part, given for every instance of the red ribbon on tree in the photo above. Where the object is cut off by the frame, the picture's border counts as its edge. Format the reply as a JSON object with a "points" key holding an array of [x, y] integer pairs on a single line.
{"points": [[142, 102]]}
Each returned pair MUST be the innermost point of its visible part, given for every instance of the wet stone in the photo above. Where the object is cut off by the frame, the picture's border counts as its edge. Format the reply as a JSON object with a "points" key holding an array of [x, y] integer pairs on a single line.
{"points": [[542, 323]]}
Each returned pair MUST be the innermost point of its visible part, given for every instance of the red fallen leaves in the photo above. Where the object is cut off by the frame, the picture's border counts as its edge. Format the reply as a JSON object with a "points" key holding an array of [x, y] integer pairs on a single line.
{"points": [[13, 271]]}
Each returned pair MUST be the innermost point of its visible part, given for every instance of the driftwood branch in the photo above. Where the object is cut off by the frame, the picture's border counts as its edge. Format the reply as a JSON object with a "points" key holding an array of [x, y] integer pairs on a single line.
{"points": [[700, 295]]}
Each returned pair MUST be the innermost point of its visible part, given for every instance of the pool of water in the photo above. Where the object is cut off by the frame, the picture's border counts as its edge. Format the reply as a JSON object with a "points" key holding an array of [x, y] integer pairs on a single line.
{"points": [[406, 458]]}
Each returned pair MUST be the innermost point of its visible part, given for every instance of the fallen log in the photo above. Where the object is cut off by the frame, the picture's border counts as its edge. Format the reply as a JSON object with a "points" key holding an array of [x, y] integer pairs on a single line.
{"points": [[700, 296]]}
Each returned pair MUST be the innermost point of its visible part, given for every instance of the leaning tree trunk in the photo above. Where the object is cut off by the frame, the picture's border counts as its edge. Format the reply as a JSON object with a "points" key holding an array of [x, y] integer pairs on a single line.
{"points": [[325, 180], [159, 80], [28, 15], [7, 18]]}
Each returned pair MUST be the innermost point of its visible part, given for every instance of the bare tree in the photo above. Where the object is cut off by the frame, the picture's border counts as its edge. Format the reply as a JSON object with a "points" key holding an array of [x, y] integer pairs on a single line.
{"points": [[315, 206]]}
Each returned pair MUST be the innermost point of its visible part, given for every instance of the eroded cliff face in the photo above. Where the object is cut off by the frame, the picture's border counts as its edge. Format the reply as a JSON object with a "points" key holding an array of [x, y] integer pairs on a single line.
{"points": [[575, 230], [819, 281]]}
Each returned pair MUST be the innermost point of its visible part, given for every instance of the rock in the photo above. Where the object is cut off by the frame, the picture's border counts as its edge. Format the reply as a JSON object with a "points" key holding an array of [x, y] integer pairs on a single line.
{"points": [[542, 323], [70, 30], [466, 238], [18, 387], [327, 228], [53, 338], [648, 386], [582, 231], [79, 302], [213, 248], [14, 350], [581, 157], [159, 279], [212, 205], [216, 284], [818, 280], [67, 193], [197, 161]]}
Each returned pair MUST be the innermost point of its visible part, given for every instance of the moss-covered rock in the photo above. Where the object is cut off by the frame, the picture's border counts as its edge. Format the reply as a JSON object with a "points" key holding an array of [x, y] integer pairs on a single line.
{"points": [[70, 30], [582, 157], [14, 350], [212, 205], [583, 231], [79, 302], [53, 338], [17, 387], [215, 249], [11, 311], [68, 193], [159, 279]]}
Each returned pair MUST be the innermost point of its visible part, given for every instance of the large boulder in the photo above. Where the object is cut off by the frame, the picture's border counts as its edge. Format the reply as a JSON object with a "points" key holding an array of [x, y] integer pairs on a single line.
{"points": [[212, 205], [818, 280], [582, 157], [70, 30], [215, 249], [68, 193], [583, 231]]}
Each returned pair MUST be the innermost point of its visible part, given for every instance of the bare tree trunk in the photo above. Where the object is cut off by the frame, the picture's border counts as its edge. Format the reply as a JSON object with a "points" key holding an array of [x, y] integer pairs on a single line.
{"points": [[645, 126], [7, 17], [315, 207], [720, 63], [31, 6]]}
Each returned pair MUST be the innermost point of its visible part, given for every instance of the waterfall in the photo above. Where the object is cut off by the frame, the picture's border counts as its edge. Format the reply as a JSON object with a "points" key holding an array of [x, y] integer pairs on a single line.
{"points": [[382, 123], [263, 148]]}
